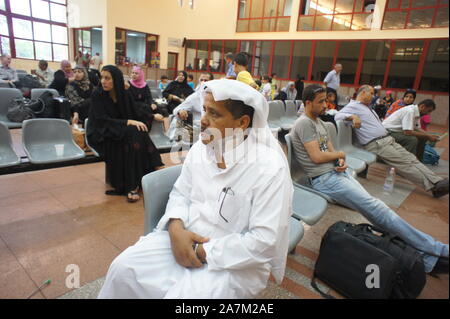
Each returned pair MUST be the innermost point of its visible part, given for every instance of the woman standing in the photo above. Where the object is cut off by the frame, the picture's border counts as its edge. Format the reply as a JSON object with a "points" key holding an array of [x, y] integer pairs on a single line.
{"points": [[119, 132], [79, 93], [177, 91]]}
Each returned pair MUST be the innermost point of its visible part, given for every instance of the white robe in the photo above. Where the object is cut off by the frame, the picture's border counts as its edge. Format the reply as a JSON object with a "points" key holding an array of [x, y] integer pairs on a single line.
{"points": [[241, 253]]}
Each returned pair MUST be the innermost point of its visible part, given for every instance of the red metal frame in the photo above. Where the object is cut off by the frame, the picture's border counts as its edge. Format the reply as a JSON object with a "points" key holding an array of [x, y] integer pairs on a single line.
{"points": [[315, 15], [360, 62], [10, 15], [262, 18], [410, 8]]}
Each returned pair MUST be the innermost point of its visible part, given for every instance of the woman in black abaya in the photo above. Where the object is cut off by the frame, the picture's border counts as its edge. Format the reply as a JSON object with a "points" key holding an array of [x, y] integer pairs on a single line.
{"points": [[119, 132], [177, 91]]}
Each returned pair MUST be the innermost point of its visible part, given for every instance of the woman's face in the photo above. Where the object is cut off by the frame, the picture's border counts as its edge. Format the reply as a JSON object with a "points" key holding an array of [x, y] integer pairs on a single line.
{"points": [[79, 75], [181, 77], [67, 68], [408, 99], [107, 81], [135, 75]]}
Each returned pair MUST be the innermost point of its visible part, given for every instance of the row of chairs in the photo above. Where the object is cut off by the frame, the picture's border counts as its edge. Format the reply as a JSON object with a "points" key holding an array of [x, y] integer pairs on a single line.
{"points": [[283, 115], [7, 95]]}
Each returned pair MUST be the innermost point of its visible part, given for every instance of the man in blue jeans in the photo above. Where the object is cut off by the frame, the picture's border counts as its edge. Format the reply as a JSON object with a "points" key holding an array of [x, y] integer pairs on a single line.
{"points": [[326, 169]]}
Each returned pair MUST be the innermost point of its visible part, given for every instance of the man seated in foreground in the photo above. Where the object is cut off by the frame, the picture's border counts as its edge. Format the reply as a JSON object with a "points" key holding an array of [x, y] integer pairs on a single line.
{"points": [[373, 136], [326, 169], [225, 228], [404, 127]]}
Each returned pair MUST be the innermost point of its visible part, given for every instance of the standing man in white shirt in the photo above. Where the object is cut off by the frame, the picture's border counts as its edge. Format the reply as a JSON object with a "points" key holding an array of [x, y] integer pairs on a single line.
{"points": [[333, 79], [404, 126], [225, 229], [96, 61]]}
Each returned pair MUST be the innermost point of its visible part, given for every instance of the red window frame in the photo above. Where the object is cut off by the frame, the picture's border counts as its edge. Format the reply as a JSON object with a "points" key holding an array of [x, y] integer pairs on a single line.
{"points": [[408, 11], [10, 15], [275, 18], [360, 62], [147, 57], [334, 14]]}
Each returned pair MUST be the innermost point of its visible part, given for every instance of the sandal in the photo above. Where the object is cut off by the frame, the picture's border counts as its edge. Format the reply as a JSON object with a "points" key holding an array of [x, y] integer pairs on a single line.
{"points": [[132, 200]]}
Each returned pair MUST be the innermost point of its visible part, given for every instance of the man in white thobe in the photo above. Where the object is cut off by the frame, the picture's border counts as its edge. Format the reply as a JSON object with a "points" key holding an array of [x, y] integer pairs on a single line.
{"points": [[225, 228]]}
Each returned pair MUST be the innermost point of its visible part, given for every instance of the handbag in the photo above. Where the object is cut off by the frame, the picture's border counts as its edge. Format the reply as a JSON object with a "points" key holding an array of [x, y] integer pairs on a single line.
{"points": [[364, 262], [22, 109]]}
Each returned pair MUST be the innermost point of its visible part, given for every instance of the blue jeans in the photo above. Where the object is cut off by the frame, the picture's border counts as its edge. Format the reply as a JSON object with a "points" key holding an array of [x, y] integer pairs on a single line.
{"points": [[347, 191]]}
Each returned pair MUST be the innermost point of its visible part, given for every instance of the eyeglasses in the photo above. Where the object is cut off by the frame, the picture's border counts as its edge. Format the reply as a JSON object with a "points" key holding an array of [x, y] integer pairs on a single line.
{"points": [[203, 80], [225, 191]]}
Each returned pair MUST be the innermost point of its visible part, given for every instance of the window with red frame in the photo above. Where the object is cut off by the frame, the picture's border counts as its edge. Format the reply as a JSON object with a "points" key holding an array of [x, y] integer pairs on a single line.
{"points": [[415, 14], [335, 15], [34, 29], [264, 15]]}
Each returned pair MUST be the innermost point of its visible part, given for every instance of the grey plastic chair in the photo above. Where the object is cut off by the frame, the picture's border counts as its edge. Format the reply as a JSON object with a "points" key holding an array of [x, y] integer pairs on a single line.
{"points": [[156, 93], [298, 175], [41, 139], [156, 188], [7, 155], [354, 163], [86, 139], [152, 83], [308, 206], [276, 112], [36, 93], [344, 143], [290, 115], [21, 72], [7, 95], [161, 140]]}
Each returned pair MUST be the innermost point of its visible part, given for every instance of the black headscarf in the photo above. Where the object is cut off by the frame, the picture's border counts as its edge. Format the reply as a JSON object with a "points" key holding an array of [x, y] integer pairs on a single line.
{"points": [[180, 89]]}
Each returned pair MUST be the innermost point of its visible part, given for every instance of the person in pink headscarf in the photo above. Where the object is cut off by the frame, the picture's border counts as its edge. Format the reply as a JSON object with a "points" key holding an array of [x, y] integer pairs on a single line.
{"points": [[66, 67], [142, 95]]}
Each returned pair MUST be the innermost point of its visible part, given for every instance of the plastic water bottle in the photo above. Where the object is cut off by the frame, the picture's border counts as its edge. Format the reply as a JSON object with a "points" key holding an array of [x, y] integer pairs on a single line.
{"points": [[389, 182]]}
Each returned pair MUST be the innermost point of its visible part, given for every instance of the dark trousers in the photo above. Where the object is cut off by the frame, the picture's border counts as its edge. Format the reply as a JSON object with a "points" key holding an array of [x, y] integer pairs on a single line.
{"points": [[412, 144]]}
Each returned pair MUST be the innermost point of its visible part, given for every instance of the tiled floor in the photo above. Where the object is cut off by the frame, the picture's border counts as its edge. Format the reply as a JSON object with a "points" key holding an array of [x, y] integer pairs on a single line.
{"points": [[55, 218]]}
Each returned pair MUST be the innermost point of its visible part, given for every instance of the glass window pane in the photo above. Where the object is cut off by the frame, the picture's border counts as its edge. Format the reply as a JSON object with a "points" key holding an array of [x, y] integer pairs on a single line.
{"points": [[135, 47], [255, 25], [362, 21], [323, 60], [190, 54], [24, 49], [86, 36], [420, 19], [3, 25], [2, 5], [405, 4], [305, 23], [269, 25], [202, 56], [58, 13], [5, 47], [435, 74], [348, 56], [283, 24], [374, 63], [405, 60], [60, 52], [442, 18], [43, 51], [394, 20], [325, 6], [244, 9], [344, 6], [342, 22], [270, 8], [281, 58], [20, 7], [216, 60], [242, 26], [393, 4], [40, 9], [287, 11], [257, 9], [42, 31], [230, 47], [323, 23], [22, 29], [262, 58], [247, 46], [423, 3], [300, 59], [59, 34], [59, 1]]}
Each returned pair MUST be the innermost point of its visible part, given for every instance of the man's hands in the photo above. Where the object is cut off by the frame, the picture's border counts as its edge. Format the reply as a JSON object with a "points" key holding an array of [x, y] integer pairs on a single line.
{"points": [[356, 121], [182, 242], [342, 166], [433, 138], [183, 114], [154, 107], [159, 117], [139, 125], [75, 118]]}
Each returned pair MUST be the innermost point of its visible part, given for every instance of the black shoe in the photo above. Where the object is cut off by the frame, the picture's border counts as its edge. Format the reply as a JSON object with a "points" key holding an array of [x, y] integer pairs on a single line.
{"points": [[440, 188], [441, 267]]}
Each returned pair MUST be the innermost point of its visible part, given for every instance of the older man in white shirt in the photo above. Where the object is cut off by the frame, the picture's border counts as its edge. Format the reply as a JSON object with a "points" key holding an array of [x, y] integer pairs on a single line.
{"points": [[404, 126], [226, 223]]}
